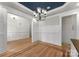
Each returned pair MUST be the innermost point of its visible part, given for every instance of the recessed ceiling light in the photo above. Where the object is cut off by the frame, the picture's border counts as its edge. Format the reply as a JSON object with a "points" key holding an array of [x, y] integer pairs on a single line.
{"points": [[48, 7]]}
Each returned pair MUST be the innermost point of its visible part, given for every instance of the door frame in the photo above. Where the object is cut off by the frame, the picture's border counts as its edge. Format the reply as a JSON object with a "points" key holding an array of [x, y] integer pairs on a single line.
{"points": [[62, 23]]}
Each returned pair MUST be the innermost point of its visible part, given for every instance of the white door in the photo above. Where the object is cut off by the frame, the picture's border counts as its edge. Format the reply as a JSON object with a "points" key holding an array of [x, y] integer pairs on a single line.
{"points": [[68, 28], [3, 29]]}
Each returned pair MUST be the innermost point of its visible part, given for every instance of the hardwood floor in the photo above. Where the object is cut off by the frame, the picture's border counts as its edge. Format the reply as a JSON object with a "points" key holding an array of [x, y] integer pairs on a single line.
{"points": [[25, 48]]}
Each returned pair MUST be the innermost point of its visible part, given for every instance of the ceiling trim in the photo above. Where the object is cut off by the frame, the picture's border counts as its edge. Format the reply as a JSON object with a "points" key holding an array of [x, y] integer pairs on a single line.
{"points": [[53, 10], [22, 6], [18, 6]]}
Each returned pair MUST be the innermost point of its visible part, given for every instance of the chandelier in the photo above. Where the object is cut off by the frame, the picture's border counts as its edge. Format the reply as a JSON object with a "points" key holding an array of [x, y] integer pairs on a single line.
{"points": [[40, 14]]}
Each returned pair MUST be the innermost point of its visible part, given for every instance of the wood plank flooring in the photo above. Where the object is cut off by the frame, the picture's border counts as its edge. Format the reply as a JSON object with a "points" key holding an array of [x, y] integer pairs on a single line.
{"points": [[25, 48]]}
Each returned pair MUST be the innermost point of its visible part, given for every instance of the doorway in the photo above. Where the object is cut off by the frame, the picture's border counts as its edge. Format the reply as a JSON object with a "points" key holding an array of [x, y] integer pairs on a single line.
{"points": [[68, 28]]}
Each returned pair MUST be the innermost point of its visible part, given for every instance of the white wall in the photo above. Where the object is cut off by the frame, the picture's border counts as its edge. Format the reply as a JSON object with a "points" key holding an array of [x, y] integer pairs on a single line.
{"points": [[44, 28], [3, 29], [50, 30], [17, 27], [68, 13], [69, 28], [35, 31], [63, 14], [18, 9], [78, 26]]}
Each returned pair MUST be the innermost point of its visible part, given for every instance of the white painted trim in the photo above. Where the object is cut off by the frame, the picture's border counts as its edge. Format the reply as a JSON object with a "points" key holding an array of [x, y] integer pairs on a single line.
{"points": [[66, 13]]}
